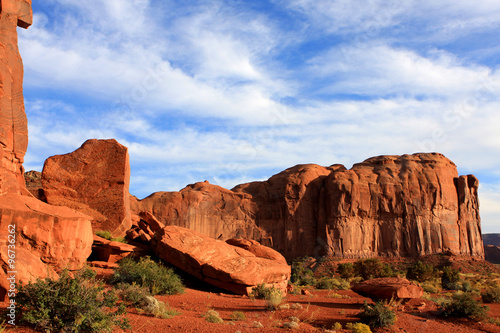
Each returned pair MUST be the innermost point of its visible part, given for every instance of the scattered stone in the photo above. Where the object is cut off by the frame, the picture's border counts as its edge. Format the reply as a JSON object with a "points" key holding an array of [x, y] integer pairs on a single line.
{"points": [[387, 288]]}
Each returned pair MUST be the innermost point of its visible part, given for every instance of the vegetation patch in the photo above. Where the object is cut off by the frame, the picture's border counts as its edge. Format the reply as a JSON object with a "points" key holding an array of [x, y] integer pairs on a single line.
{"points": [[377, 315], [70, 304], [145, 272], [464, 305], [491, 295]]}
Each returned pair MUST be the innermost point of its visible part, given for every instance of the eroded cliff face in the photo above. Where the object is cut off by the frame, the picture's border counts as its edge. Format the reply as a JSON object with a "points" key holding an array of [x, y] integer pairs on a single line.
{"points": [[390, 206], [208, 209]]}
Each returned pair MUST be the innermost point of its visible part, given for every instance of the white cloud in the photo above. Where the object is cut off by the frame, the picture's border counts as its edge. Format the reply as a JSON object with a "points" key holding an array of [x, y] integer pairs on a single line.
{"points": [[490, 207]]}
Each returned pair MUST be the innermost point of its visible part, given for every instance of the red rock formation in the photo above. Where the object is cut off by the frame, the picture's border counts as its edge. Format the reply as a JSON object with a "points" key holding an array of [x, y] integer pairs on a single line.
{"points": [[206, 208], [93, 179], [257, 249], [218, 263], [42, 239], [36, 239], [388, 288], [408, 205], [13, 122]]}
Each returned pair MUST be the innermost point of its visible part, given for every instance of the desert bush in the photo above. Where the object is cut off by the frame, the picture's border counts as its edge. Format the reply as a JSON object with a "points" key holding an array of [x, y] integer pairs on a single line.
{"points": [[372, 268], [157, 308], [133, 294], [238, 316], [421, 272], [491, 295], [301, 275], [150, 274], [358, 328], [377, 315], [464, 305], [337, 326], [70, 304], [450, 278], [346, 270], [274, 299], [332, 283], [432, 286], [213, 316]]}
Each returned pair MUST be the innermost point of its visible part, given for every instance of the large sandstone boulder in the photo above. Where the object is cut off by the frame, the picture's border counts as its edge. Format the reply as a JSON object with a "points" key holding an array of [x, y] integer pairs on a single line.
{"points": [[93, 179], [257, 249], [37, 240], [209, 209], [218, 263], [388, 288]]}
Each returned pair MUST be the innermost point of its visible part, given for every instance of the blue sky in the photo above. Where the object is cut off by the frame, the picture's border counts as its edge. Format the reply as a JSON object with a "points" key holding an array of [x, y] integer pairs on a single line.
{"points": [[236, 91]]}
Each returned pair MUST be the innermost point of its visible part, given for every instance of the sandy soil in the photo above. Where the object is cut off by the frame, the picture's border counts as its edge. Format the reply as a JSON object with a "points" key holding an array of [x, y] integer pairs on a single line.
{"points": [[317, 312]]}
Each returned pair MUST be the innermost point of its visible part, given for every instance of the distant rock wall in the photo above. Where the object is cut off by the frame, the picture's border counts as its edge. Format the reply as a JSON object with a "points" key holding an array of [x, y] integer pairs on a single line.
{"points": [[390, 206]]}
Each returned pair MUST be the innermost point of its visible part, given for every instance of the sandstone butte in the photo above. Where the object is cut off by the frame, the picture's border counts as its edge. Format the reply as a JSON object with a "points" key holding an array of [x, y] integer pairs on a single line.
{"points": [[42, 239], [389, 206]]}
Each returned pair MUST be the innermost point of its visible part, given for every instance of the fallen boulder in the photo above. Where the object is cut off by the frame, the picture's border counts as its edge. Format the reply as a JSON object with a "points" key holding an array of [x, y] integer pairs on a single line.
{"points": [[218, 263], [387, 288]]}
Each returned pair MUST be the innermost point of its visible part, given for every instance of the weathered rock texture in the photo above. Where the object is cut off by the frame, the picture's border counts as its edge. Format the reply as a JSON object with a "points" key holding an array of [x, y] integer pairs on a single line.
{"points": [[13, 121], [93, 179], [42, 239], [36, 239], [390, 206], [206, 208], [388, 288], [218, 263]]}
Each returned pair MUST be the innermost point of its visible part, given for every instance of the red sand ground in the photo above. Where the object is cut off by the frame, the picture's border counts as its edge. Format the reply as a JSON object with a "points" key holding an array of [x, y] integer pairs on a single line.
{"points": [[319, 311]]}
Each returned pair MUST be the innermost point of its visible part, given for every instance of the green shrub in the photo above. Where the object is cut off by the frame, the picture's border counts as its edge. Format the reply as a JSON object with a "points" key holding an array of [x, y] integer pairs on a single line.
{"points": [[301, 275], [133, 294], [358, 328], [70, 304], [491, 295], [346, 270], [450, 279], [464, 305], [421, 272], [337, 326], [372, 268], [150, 274], [377, 315], [332, 283]]}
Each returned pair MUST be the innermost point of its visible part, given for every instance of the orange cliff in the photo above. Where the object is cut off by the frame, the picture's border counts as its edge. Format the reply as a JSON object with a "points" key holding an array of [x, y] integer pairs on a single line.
{"points": [[36, 239]]}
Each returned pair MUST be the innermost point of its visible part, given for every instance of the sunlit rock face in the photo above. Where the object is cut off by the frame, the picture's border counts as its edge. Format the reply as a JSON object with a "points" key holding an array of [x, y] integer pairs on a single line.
{"points": [[391, 206], [13, 122]]}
